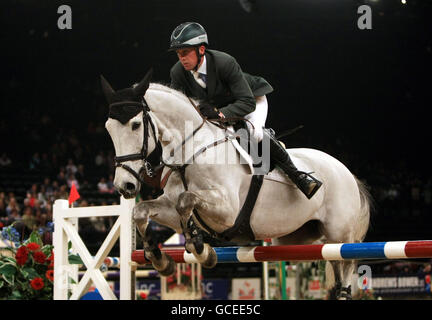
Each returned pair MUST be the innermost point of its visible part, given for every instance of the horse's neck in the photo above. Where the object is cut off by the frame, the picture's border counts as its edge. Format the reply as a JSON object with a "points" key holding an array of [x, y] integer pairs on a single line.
{"points": [[176, 120]]}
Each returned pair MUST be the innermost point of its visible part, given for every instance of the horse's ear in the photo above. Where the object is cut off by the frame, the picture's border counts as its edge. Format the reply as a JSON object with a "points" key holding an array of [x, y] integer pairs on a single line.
{"points": [[142, 87], [107, 90]]}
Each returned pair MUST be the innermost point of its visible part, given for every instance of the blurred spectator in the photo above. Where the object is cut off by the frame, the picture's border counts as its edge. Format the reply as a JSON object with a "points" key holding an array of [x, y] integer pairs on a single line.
{"points": [[72, 180], [42, 195], [47, 183], [61, 177], [110, 183], [12, 205], [5, 160], [100, 160], [33, 188], [80, 173], [14, 216], [29, 219], [48, 211], [3, 213], [63, 193], [30, 199], [85, 185], [103, 186], [35, 161], [51, 191], [71, 167]]}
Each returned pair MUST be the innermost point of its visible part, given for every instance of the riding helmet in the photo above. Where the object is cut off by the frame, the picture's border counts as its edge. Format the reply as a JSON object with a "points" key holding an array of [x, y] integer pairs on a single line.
{"points": [[188, 34]]}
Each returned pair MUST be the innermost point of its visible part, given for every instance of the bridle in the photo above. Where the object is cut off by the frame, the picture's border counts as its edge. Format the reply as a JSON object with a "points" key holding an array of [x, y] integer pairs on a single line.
{"points": [[150, 169], [147, 166]]}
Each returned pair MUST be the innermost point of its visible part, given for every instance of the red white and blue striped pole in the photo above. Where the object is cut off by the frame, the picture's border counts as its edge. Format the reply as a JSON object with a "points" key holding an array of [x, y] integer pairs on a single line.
{"points": [[342, 251]]}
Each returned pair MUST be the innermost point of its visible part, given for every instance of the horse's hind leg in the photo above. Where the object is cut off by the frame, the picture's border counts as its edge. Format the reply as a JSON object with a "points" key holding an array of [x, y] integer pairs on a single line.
{"points": [[343, 271], [204, 200]]}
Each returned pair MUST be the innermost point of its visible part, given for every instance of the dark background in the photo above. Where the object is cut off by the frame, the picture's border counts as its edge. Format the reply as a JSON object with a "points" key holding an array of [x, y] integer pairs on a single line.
{"points": [[362, 95]]}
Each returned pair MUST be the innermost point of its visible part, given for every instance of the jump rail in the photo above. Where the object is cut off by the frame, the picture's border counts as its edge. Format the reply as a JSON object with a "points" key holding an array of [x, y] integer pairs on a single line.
{"points": [[342, 251], [66, 229]]}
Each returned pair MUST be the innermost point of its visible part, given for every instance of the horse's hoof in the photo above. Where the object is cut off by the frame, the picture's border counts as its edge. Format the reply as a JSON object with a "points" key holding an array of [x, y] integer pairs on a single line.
{"points": [[345, 293], [211, 260], [170, 266]]}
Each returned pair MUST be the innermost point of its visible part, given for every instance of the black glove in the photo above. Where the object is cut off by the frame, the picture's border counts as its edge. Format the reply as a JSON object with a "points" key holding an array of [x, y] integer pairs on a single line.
{"points": [[208, 111]]}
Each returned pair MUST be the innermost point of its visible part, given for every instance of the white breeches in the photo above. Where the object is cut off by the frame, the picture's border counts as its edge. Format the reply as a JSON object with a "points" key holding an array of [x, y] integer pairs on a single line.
{"points": [[258, 118]]}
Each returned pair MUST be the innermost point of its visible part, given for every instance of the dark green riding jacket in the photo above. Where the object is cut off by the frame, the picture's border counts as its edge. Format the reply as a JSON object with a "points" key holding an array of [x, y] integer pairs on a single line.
{"points": [[228, 88]]}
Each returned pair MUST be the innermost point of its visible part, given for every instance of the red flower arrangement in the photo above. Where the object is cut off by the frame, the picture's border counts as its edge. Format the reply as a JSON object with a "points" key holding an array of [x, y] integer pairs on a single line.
{"points": [[21, 255], [50, 275], [37, 283], [27, 273], [32, 246], [39, 257]]}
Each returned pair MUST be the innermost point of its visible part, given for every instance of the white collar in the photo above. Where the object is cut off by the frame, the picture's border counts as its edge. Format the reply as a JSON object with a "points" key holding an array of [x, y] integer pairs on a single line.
{"points": [[203, 68]]}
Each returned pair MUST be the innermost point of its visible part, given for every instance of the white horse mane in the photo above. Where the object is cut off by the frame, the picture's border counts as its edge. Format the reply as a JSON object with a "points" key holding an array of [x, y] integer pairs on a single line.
{"points": [[164, 88]]}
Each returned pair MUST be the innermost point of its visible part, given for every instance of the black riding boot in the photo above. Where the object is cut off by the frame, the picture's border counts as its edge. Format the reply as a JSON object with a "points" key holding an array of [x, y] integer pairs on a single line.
{"points": [[304, 181]]}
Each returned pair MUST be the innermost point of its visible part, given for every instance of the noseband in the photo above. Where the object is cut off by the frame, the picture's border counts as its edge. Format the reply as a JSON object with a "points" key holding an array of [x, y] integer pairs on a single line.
{"points": [[147, 166]]}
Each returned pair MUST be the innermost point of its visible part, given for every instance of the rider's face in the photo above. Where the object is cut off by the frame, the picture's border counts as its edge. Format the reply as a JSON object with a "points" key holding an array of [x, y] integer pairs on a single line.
{"points": [[188, 57]]}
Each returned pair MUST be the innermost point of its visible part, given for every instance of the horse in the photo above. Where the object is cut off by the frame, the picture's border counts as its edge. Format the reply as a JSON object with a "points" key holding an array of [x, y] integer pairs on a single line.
{"points": [[150, 118]]}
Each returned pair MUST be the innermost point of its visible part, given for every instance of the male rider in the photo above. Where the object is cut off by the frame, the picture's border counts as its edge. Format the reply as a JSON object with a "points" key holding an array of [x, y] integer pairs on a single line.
{"points": [[217, 80]]}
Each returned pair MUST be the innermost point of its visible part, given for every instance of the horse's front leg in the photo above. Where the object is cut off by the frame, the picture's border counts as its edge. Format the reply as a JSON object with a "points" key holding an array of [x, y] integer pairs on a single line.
{"points": [[163, 263], [209, 201]]}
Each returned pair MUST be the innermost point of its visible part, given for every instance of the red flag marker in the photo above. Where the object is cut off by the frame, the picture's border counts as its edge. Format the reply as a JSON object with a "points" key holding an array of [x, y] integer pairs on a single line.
{"points": [[74, 195]]}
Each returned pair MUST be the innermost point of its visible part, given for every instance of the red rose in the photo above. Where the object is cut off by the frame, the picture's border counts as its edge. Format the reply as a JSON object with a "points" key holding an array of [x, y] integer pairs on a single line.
{"points": [[143, 295], [1, 225], [51, 257], [37, 283], [21, 255], [32, 246], [50, 275], [39, 257]]}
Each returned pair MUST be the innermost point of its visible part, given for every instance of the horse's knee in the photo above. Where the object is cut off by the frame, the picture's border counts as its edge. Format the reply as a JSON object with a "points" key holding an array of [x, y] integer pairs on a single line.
{"points": [[185, 203], [140, 218], [140, 213]]}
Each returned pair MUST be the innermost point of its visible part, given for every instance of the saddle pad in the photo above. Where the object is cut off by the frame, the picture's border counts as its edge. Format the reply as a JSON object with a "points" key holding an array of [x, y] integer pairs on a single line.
{"points": [[243, 154], [275, 175]]}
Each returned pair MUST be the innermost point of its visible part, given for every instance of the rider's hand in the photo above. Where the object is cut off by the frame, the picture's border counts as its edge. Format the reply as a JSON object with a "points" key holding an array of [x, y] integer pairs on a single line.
{"points": [[209, 111]]}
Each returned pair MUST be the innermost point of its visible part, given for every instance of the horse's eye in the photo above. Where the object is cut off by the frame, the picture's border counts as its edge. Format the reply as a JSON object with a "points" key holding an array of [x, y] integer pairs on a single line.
{"points": [[136, 125]]}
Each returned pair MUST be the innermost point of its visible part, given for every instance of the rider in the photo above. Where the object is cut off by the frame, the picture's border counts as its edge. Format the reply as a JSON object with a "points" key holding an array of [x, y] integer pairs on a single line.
{"points": [[217, 80]]}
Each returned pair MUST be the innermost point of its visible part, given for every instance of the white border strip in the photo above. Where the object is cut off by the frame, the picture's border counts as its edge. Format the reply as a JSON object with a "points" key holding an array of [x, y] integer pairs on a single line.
{"points": [[395, 249], [332, 251], [245, 254]]}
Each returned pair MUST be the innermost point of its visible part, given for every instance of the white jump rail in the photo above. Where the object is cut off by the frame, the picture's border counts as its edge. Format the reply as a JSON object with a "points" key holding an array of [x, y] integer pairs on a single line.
{"points": [[66, 229]]}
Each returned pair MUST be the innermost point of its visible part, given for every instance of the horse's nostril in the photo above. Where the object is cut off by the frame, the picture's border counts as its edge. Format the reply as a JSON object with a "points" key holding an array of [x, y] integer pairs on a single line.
{"points": [[130, 186]]}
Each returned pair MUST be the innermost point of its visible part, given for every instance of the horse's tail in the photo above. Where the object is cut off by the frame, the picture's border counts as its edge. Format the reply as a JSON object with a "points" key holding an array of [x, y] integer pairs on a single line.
{"points": [[363, 218], [362, 223]]}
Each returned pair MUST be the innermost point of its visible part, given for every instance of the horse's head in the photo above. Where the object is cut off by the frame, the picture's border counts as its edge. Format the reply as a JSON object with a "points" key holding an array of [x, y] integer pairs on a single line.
{"points": [[132, 132]]}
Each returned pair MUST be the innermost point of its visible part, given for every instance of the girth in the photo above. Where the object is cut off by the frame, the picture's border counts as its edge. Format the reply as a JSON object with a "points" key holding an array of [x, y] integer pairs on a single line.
{"points": [[241, 227]]}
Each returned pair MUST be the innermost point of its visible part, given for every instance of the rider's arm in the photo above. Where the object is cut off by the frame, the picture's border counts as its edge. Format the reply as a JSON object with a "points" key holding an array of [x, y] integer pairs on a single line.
{"points": [[234, 78]]}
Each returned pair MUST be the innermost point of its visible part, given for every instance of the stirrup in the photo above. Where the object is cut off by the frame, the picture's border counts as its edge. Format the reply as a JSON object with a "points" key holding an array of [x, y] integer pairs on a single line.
{"points": [[318, 183]]}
